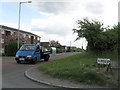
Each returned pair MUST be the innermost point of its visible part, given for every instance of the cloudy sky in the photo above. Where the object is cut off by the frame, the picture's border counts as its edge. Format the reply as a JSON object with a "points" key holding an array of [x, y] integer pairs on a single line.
{"points": [[55, 19]]}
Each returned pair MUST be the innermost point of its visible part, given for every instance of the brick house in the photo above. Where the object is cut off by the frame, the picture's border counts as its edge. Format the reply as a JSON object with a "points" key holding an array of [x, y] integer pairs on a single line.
{"points": [[8, 34], [46, 44]]}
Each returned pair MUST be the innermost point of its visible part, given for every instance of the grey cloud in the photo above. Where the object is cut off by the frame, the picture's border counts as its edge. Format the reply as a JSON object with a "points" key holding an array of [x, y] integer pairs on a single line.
{"points": [[65, 6], [94, 7], [52, 7], [55, 6], [60, 31]]}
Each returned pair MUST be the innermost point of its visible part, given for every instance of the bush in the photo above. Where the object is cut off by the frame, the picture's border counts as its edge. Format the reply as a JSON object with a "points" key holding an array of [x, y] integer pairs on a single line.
{"points": [[11, 48]]}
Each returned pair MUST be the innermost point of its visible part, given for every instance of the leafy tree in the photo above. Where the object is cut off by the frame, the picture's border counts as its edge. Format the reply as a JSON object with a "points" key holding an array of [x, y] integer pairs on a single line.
{"points": [[99, 39], [54, 43], [90, 30]]}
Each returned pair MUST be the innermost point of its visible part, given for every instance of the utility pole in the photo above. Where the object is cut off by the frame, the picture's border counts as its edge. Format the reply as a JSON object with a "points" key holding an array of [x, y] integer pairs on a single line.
{"points": [[19, 21]]}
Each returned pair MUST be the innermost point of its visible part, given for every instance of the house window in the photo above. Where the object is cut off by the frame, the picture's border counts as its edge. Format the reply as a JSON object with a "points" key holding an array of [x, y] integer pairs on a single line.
{"points": [[7, 33], [24, 35], [38, 38], [2, 31], [34, 37], [2, 50], [1, 40], [12, 32], [29, 36]]}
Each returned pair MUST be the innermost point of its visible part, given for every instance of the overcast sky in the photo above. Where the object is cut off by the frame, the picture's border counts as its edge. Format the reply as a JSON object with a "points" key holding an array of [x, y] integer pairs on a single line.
{"points": [[55, 19]]}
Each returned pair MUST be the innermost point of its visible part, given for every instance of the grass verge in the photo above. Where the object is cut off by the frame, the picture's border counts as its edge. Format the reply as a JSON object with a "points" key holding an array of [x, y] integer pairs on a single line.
{"points": [[79, 68]]}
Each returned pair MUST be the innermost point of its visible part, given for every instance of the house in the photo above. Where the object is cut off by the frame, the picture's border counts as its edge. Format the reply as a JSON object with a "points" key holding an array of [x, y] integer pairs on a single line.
{"points": [[8, 34], [46, 44]]}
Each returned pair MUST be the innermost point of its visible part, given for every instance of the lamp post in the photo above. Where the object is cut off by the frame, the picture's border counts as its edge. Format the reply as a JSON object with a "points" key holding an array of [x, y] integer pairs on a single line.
{"points": [[19, 21], [82, 43]]}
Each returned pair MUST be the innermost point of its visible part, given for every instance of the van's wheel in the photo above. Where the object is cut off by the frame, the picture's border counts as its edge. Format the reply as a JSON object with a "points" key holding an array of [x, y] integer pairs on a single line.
{"points": [[34, 61], [18, 62], [46, 57]]}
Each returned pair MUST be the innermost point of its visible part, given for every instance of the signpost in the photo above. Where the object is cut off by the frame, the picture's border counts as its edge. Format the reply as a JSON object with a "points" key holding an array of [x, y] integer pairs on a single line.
{"points": [[104, 61]]}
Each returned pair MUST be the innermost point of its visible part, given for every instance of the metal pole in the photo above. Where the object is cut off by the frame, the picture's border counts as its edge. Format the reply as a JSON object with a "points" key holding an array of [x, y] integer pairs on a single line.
{"points": [[82, 42], [19, 22], [19, 25], [70, 43], [70, 47]]}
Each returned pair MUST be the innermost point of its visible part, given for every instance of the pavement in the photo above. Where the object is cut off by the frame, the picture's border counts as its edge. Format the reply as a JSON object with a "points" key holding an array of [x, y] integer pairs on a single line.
{"points": [[35, 75]]}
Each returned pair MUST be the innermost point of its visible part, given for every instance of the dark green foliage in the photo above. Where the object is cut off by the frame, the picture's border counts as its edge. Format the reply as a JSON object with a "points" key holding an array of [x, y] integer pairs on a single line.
{"points": [[106, 41], [88, 29], [11, 48], [99, 39]]}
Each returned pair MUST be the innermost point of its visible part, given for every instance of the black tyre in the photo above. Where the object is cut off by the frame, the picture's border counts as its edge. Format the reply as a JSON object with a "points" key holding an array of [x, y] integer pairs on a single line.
{"points": [[34, 61], [46, 57], [18, 62]]}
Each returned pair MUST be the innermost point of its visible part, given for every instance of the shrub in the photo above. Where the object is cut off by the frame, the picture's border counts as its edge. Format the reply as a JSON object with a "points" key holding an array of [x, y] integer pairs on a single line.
{"points": [[11, 48]]}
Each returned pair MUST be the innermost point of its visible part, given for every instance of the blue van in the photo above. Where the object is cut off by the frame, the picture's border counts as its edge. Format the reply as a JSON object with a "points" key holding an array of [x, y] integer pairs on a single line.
{"points": [[31, 53]]}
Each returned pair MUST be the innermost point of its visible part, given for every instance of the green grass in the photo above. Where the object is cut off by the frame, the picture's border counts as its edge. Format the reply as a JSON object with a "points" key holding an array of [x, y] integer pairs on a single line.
{"points": [[79, 68]]}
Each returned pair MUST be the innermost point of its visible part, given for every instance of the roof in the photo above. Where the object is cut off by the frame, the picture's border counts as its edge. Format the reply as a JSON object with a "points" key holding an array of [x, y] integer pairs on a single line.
{"points": [[14, 29], [44, 43]]}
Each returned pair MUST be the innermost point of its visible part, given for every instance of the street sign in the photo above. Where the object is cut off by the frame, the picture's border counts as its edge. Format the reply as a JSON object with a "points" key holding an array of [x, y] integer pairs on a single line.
{"points": [[103, 61]]}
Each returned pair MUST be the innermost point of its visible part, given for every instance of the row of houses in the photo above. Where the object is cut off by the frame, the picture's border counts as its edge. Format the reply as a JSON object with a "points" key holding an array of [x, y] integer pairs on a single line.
{"points": [[8, 34]]}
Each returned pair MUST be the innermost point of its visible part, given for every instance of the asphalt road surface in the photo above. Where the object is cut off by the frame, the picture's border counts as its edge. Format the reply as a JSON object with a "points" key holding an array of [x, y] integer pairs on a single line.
{"points": [[13, 73]]}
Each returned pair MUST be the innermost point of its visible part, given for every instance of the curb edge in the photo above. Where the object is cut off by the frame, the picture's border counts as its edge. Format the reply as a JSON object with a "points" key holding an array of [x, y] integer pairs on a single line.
{"points": [[43, 82]]}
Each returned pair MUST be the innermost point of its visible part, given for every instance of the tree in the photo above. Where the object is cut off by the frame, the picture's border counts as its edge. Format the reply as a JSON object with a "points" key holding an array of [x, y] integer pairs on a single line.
{"points": [[54, 43], [90, 30], [99, 39]]}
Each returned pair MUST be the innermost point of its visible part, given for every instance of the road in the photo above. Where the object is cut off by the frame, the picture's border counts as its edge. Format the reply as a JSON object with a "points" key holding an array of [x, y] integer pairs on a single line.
{"points": [[13, 73]]}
